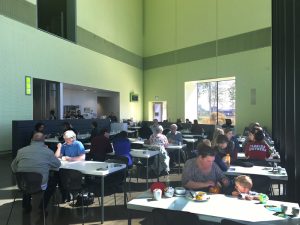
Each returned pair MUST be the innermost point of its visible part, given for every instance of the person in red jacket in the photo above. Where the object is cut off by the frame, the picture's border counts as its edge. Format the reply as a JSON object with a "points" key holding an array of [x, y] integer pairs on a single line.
{"points": [[258, 149]]}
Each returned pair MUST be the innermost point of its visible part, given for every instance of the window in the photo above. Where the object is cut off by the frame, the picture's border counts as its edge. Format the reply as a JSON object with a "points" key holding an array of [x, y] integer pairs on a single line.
{"points": [[58, 17], [216, 101]]}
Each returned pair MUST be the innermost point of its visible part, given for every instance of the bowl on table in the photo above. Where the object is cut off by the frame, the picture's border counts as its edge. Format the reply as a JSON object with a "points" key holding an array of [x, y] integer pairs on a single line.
{"points": [[180, 191]]}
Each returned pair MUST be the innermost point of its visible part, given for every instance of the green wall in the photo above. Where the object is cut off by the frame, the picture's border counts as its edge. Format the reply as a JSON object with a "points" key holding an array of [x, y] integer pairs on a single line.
{"points": [[27, 51], [223, 28]]}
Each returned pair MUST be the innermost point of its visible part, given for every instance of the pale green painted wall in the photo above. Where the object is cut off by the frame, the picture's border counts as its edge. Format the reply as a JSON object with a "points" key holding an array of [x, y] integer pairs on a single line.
{"points": [[120, 22], [28, 51], [175, 24], [170, 26], [252, 69]]}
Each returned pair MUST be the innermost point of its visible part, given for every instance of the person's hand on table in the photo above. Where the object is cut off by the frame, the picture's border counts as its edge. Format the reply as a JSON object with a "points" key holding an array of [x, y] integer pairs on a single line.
{"points": [[210, 183]]}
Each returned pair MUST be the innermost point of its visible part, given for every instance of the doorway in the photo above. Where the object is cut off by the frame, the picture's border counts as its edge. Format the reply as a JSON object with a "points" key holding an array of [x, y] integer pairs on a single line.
{"points": [[158, 110]]}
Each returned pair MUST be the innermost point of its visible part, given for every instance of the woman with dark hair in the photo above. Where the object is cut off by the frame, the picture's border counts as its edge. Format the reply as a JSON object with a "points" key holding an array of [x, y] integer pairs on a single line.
{"points": [[95, 130], [257, 150], [100, 146], [121, 146], [145, 131], [38, 128]]}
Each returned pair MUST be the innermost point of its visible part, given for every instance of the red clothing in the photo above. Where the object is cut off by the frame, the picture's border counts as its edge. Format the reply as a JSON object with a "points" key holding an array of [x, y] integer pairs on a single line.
{"points": [[257, 150], [100, 146]]}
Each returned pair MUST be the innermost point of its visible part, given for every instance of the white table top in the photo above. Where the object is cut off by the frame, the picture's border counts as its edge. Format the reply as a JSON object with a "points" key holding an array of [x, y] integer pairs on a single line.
{"points": [[136, 141], [83, 136], [241, 155], [93, 167], [142, 153], [135, 128], [172, 146], [258, 170], [52, 140], [215, 209], [190, 140]]}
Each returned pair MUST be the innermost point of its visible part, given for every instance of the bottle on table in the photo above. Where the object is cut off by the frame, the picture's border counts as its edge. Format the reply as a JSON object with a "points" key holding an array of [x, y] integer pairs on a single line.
{"points": [[227, 160]]}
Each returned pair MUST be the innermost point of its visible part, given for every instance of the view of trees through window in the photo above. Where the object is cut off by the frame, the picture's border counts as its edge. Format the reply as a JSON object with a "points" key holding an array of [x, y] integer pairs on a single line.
{"points": [[216, 101]]}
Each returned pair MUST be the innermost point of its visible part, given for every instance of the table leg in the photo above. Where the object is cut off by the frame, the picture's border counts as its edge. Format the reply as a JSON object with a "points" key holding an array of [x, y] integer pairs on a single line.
{"points": [[157, 158], [147, 171], [102, 197], [179, 150], [129, 217], [125, 187]]}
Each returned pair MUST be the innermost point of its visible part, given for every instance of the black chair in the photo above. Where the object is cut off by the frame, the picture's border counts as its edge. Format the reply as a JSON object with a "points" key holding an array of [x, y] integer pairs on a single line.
{"points": [[174, 217], [114, 183], [261, 184], [29, 183], [73, 181], [230, 222]]}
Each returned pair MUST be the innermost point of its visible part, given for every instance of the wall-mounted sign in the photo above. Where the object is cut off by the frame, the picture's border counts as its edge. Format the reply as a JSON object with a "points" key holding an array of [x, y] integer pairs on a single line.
{"points": [[27, 85]]}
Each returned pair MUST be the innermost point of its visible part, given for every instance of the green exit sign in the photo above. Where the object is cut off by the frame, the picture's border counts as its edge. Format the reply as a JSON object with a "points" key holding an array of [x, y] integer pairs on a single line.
{"points": [[27, 85]]}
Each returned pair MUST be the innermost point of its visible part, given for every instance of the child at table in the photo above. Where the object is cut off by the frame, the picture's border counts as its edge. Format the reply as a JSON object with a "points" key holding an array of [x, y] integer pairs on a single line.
{"points": [[243, 185]]}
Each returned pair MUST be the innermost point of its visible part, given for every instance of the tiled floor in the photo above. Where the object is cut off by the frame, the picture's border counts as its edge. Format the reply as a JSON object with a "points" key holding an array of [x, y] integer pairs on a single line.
{"points": [[66, 214]]}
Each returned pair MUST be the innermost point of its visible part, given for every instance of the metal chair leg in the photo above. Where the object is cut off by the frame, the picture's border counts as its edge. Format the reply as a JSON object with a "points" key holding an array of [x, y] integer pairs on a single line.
{"points": [[12, 206]]}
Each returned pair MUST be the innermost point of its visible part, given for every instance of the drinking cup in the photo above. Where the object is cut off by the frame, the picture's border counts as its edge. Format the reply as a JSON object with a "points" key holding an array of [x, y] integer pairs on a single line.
{"points": [[295, 211], [283, 208], [157, 194]]}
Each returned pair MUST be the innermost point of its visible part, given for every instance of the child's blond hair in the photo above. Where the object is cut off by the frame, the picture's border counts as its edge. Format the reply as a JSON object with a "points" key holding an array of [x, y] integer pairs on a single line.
{"points": [[244, 181]]}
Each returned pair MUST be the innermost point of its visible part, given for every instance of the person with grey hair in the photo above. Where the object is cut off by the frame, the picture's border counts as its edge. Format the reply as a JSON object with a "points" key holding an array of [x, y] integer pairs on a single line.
{"points": [[174, 136], [71, 150], [159, 142], [36, 157]]}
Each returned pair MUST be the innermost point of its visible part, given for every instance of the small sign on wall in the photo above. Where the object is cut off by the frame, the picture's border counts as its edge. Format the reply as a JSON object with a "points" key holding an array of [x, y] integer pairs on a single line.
{"points": [[27, 85], [253, 96]]}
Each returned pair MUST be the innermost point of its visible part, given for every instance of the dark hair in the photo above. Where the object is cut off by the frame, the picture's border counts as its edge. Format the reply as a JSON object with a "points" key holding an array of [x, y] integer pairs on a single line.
{"points": [[67, 125], [38, 125], [102, 131], [94, 124], [227, 130], [122, 134], [253, 131], [204, 151], [222, 139], [259, 135], [195, 121]]}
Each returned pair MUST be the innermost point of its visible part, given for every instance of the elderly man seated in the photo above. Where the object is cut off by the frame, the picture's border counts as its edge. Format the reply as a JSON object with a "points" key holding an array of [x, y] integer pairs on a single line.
{"points": [[201, 173], [174, 136], [71, 150], [36, 157]]}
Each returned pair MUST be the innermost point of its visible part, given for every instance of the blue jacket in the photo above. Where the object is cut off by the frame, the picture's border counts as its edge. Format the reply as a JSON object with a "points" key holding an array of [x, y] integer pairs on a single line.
{"points": [[122, 147]]}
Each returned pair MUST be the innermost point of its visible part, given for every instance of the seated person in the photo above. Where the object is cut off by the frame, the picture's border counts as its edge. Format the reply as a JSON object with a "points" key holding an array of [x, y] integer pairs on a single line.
{"points": [[217, 132], [242, 190], [201, 173], [94, 130], [78, 115], [100, 146], [221, 152], [233, 143], [38, 128], [196, 129], [154, 126], [122, 146], [257, 150], [159, 142], [71, 150], [174, 136], [36, 157], [145, 131], [250, 138], [179, 124]]}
